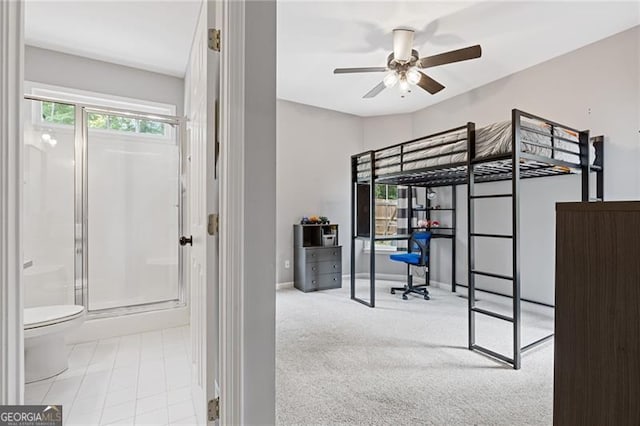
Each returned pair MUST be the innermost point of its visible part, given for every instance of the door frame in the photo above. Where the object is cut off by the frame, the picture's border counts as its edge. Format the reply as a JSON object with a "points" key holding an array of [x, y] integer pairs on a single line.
{"points": [[232, 236], [247, 187], [11, 157], [232, 196]]}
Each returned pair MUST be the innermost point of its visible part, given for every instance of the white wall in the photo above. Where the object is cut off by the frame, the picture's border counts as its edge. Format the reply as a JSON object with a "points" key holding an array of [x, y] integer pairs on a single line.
{"points": [[386, 130], [567, 89], [313, 174], [596, 87], [61, 69]]}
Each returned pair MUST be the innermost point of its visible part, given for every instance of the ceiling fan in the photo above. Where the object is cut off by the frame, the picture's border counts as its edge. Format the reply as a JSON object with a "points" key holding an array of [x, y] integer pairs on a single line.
{"points": [[404, 65]]}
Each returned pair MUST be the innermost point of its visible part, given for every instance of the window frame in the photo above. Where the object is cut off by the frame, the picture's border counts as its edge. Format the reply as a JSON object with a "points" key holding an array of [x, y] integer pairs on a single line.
{"points": [[95, 99]]}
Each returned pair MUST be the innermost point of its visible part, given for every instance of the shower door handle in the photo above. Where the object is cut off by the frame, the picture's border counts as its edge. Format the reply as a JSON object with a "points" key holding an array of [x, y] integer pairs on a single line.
{"points": [[186, 240]]}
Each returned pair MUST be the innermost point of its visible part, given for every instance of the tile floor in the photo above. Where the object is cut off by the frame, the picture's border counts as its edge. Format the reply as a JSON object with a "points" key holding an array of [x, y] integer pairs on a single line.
{"points": [[139, 379]]}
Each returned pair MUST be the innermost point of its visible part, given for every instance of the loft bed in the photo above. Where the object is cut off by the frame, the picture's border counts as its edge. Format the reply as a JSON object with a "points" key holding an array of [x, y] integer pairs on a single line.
{"points": [[527, 146]]}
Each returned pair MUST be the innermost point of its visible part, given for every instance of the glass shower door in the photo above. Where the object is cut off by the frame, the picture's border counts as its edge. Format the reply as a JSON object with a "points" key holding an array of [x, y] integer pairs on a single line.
{"points": [[49, 245], [132, 206]]}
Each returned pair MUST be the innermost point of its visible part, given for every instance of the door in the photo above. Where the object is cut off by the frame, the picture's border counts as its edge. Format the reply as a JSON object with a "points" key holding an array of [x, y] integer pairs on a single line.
{"points": [[132, 213], [201, 89]]}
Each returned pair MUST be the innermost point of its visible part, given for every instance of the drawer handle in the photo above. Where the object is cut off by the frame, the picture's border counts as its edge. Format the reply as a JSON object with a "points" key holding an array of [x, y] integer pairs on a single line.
{"points": [[335, 279], [313, 281], [334, 253], [314, 269], [335, 266]]}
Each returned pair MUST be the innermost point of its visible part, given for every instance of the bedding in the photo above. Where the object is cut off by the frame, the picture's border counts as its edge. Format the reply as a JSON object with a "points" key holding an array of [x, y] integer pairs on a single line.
{"points": [[491, 140]]}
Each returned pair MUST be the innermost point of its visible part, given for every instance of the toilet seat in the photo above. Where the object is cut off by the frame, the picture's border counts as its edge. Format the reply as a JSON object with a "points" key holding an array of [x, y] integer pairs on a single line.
{"points": [[42, 316], [45, 328]]}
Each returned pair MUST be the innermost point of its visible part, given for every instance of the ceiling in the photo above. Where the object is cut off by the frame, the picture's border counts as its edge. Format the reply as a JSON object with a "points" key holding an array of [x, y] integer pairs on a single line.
{"points": [[154, 35], [316, 37]]}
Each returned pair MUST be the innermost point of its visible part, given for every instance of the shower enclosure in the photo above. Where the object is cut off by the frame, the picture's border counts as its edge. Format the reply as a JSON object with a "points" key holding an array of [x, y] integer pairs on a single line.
{"points": [[102, 208]]}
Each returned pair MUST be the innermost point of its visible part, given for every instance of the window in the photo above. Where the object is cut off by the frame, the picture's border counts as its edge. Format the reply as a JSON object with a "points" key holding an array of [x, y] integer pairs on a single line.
{"points": [[63, 115], [124, 124], [57, 113], [386, 215]]}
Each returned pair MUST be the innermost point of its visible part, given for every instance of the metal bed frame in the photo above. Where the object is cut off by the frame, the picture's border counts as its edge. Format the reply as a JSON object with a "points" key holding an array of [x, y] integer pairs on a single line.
{"points": [[511, 166]]}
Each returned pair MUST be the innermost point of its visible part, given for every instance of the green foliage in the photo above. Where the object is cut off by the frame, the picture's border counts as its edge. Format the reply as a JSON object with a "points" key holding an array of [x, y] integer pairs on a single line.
{"points": [[122, 124], [151, 127], [98, 121], [58, 113], [65, 114], [386, 192]]}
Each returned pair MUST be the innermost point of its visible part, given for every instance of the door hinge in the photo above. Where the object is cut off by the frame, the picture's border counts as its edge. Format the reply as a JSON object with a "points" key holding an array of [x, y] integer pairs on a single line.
{"points": [[214, 39], [214, 224], [214, 409]]}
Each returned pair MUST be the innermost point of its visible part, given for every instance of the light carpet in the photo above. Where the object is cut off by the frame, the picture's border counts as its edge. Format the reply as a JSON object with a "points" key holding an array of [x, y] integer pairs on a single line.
{"points": [[406, 362]]}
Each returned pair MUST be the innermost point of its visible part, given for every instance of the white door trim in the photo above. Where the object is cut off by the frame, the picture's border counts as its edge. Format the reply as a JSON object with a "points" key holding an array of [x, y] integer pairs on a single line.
{"points": [[11, 80], [232, 236]]}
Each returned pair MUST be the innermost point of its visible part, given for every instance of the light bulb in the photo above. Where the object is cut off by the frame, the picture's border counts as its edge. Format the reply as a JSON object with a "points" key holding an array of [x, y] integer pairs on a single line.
{"points": [[390, 79], [53, 142], [413, 76], [404, 85], [46, 137]]}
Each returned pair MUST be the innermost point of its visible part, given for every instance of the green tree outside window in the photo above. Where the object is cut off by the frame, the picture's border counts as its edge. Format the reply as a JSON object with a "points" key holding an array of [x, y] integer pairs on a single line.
{"points": [[151, 127], [386, 192], [57, 113]]}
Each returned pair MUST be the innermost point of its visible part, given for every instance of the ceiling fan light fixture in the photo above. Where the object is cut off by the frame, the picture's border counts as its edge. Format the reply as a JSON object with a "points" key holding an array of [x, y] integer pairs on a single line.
{"points": [[390, 79], [404, 85], [404, 65], [413, 75], [402, 44]]}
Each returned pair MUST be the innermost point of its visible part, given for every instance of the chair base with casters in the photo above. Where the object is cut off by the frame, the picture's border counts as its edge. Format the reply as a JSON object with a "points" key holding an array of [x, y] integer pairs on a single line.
{"points": [[417, 256], [420, 289]]}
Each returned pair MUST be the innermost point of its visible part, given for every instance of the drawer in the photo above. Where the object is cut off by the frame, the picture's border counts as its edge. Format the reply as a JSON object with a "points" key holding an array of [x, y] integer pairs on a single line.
{"points": [[324, 268], [325, 281], [322, 254]]}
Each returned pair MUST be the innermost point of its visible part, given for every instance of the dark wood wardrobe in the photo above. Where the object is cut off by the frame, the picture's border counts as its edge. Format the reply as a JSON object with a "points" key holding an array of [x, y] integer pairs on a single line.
{"points": [[597, 321]]}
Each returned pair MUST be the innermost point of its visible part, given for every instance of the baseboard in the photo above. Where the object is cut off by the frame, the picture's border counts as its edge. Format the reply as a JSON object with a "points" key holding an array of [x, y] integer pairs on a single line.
{"points": [[282, 286], [289, 284], [105, 328], [386, 277], [392, 277], [444, 286]]}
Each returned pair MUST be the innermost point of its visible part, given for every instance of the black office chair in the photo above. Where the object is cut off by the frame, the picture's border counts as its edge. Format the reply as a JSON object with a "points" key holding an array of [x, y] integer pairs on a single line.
{"points": [[417, 255]]}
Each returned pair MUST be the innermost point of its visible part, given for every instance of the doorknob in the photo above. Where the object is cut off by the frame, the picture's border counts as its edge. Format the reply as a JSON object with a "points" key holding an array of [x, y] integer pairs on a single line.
{"points": [[184, 240]]}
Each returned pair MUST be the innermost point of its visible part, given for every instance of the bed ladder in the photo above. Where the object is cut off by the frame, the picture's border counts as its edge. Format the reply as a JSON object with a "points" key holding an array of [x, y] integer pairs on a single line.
{"points": [[473, 271]]}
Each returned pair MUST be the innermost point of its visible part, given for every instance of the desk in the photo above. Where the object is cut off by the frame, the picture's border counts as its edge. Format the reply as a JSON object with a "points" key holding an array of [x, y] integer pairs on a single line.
{"points": [[363, 207], [436, 233]]}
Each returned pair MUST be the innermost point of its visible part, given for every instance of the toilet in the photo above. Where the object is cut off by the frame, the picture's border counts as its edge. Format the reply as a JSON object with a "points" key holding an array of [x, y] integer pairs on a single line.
{"points": [[45, 328]]}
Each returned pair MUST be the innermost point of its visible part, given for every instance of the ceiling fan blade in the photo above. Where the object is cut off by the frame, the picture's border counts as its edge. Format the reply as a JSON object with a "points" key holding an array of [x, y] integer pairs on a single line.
{"points": [[429, 84], [374, 92], [467, 53], [357, 70]]}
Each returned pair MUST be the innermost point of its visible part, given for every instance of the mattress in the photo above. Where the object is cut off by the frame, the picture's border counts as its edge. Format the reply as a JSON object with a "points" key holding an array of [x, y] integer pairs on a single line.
{"points": [[492, 140]]}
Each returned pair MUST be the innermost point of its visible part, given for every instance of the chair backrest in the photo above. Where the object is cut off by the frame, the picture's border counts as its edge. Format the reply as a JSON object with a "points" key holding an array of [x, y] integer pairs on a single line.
{"points": [[423, 237]]}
